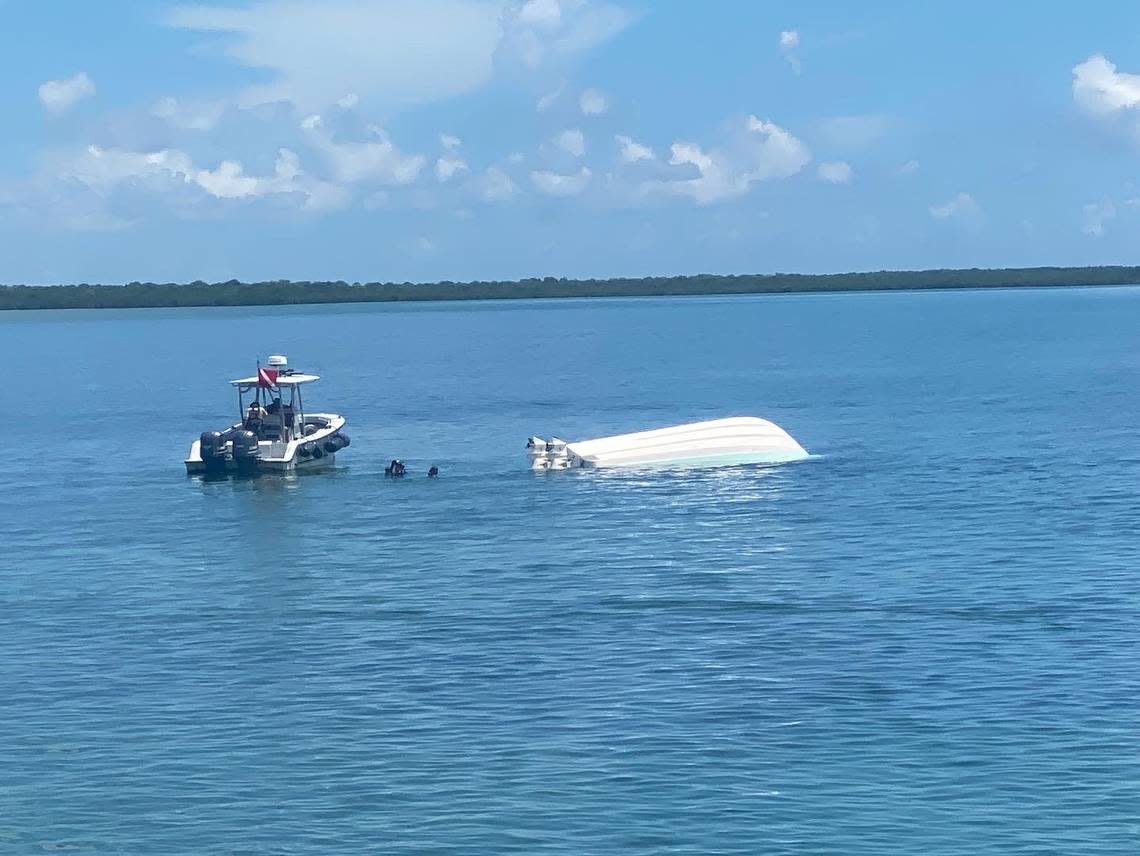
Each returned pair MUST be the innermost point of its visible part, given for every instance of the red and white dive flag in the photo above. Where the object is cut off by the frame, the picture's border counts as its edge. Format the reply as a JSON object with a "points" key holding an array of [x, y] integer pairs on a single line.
{"points": [[266, 378]]}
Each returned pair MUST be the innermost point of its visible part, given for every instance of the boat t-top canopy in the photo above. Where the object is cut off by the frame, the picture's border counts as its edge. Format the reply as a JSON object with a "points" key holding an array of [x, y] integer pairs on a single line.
{"points": [[280, 380]]}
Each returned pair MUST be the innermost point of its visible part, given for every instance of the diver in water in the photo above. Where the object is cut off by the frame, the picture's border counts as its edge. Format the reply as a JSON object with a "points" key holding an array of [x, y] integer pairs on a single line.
{"points": [[396, 469], [433, 472]]}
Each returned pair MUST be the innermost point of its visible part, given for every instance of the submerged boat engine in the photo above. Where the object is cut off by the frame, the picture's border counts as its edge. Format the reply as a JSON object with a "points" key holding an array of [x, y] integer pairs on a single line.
{"points": [[549, 454]]}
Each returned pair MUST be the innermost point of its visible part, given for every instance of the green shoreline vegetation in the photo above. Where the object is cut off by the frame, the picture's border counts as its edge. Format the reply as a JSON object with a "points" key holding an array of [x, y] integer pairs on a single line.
{"points": [[138, 295]]}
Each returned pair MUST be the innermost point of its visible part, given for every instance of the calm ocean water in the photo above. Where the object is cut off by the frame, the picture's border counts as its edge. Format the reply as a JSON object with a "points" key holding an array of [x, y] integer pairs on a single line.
{"points": [[923, 640]]}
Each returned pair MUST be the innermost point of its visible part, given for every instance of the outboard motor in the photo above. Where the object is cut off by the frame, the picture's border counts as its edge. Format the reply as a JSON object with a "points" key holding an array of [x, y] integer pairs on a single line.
{"points": [[549, 454], [212, 448], [245, 452]]}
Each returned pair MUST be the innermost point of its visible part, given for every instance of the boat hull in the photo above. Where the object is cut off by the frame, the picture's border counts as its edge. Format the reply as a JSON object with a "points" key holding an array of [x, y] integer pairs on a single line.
{"points": [[715, 443], [275, 457], [198, 467]]}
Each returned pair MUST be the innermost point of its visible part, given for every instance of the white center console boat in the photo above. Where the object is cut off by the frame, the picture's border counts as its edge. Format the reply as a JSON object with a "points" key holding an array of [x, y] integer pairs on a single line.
{"points": [[273, 434]]}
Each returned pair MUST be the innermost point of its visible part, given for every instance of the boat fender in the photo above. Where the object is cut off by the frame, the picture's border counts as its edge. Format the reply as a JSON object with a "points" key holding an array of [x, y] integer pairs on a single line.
{"points": [[318, 452], [331, 445], [344, 441], [305, 450]]}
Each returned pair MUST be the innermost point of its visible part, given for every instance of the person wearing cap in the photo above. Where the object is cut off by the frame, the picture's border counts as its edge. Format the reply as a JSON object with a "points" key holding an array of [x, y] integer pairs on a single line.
{"points": [[254, 415]]}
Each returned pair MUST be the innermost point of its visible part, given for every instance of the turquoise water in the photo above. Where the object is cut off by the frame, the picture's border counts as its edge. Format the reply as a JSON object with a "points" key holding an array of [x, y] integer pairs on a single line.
{"points": [[922, 640]]}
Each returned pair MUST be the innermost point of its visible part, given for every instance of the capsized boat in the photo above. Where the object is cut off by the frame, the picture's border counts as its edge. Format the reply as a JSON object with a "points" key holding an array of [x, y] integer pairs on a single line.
{"points": [[719, 442], [272, 435]]}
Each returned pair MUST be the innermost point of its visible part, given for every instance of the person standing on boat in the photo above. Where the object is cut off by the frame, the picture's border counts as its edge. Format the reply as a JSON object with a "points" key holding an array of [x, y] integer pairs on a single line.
{"points": [[254, 415]]}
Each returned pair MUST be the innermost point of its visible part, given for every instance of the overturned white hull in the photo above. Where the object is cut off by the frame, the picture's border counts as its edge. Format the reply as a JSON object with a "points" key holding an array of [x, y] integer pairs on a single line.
{"points": [[719, 442]]}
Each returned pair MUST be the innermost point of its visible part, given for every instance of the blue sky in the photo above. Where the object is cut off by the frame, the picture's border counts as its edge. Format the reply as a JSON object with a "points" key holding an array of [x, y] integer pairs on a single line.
{"points": [[481, 139]]}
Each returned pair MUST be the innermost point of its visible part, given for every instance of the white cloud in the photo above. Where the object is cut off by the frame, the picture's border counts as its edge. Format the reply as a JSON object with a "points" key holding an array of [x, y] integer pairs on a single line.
{"points": [[376, 160], [592, 103], [348, 101], [542, 13], [857, 131], [59, 96], [789, 42], [103, 170], [558, 184], [961, 207], [571, 141], [449, 142], [755, 151], [392, 53], [395, 53], [1099, 88], [1095, 215], [547, 32], [189, 116], [548, 100], [909, 168], [447, 168], [324, 196], [228, 181], [632, 151], [494, 185], [288, 177], [835, 172]]}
